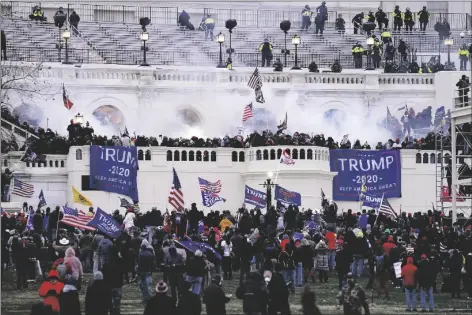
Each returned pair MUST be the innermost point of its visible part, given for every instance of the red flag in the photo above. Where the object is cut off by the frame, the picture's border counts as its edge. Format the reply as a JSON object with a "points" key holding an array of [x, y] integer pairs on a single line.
{"points": [[67, 102]]}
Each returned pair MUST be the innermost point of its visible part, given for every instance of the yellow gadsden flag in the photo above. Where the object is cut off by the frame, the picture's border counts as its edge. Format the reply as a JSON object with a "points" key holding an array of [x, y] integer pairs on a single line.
{"points": [[79, 198]]}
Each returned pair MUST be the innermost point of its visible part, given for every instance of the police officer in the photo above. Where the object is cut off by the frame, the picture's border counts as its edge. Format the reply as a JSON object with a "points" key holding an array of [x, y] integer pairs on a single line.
{"points": [[209, 27], [357, 52], [266, 51], [397, 19], [464, 57], [357, 21], [381, 18], [408, 19], [423, 17], [386, 36], [321, 17], [306, 17]]}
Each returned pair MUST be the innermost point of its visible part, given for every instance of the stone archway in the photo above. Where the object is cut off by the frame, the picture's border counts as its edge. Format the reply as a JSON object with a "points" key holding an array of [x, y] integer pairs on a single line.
{"points": [[190, 116], [110, 115]]}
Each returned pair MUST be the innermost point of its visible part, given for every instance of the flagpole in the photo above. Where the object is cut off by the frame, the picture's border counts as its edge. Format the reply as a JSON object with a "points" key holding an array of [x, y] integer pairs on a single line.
{"points": [[378, 209]]}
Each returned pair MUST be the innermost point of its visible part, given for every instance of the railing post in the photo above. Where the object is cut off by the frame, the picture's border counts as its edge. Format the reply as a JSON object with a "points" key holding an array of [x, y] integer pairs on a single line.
{"points": [[150, 13], [123, 14], [177, 8]]}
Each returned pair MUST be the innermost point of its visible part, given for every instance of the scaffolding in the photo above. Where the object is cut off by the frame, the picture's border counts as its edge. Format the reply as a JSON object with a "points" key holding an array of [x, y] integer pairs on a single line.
{"points": [[454, 158]]}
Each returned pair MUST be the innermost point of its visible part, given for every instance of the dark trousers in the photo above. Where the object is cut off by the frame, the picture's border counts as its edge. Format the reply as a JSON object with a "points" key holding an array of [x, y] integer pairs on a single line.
{"points": [[356, 29], [305, 22], [175, 282], [456, 285], [319, 27], [468, 282], [341, 280], [266, 58], [279, 307], [381, 24], [397, 26], [323, 276], [358, 62], [376, 61], [244, 270], [228, 272], [21, 277], [423, 25], [463, 62], [409, 26]]}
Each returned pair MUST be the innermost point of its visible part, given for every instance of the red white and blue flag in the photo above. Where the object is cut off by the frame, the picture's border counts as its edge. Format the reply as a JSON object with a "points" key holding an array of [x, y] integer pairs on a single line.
{"points": [[76, 218], [176, 195], [248, 113], [22, 189], [286, 158]]}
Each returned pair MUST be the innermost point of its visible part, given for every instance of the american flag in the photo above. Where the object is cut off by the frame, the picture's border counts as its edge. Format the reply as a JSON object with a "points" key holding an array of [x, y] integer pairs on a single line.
{"points": [[65, 98], [259, 95], [255, 80], [387, 209], [286, 158], [207, 187], [248, 112], [76, 218], [22, 189], [176, 195]]}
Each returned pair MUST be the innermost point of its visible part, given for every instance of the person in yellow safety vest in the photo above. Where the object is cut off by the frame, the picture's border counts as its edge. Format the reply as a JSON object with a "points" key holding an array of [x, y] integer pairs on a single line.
{"points": [[37, 15], [464, 57], [229, 64], [408, 19], [209, 27], [306, 17], [370, 17], [386, 36], [266, 51], [397, 19], [424, 68], [357, 52]]}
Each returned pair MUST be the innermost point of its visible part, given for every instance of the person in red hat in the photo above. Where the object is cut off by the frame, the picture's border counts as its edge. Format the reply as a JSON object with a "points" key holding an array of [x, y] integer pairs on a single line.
{"points": [[409, 284], [426, 282], [50, 291], [387, 247]]}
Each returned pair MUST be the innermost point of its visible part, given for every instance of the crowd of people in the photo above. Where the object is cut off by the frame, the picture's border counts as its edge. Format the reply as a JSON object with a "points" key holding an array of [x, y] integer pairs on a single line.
{"points": [[269, 253]]}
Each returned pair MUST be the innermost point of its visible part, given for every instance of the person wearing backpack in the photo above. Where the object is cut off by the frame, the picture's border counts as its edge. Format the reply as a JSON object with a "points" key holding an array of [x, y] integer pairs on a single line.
{"points": [[50, 291]]}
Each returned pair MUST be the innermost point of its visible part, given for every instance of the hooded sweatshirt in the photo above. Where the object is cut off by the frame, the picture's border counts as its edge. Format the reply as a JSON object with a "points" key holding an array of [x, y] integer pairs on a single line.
{"points": [[409, 274], [74, 263]]}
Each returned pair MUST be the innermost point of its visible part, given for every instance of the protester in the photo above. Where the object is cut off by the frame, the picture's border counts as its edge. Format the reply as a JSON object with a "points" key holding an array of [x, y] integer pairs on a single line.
{"points": [[98, 296], [50, 291], [160, 303], [214, 298]]}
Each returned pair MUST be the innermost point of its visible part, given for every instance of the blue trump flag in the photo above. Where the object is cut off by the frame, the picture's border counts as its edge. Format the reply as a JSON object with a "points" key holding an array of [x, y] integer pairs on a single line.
{"points": [[42, 200], [194, 246], [371, 201], [209, 199], [286, 196], [255, 197], [29, 223], [114, 169], [381, 170], [105, 223]]}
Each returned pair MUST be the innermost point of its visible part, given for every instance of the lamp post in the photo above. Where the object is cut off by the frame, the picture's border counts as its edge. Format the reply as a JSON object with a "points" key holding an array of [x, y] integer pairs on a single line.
{"points": [[370, 42], [296, 41], [144, 38], [79, 119], [268, 186], [448, 42], [220, 39], [66, 36]]}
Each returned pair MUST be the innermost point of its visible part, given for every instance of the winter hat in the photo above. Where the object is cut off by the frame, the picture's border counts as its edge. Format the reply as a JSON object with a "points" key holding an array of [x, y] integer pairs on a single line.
{"points": [[161, 287], [285, 237], [423, 256], [53, 274], [98, 275], [198, 253]]}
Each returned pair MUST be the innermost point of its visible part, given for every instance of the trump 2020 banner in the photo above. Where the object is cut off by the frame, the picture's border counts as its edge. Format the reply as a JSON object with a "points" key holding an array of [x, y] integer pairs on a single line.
{"points": [[255, 197], [379, 169], [105, 223], [371, 201], [286, 196], [114, 169]]}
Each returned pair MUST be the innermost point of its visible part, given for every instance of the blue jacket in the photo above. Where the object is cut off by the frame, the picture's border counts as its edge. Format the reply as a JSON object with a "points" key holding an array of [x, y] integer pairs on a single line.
{"points": [[322, 10], [145, 261], [363, 221]]}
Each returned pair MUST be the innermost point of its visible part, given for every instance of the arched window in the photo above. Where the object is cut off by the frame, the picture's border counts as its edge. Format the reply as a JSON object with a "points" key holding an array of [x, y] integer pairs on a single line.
{"points": [[433, 158], [258, 155], [272, 154], [309, 154], [140, 155], [295, 154], [183, 156], [279, 154], [288, 151], [206, 156], [50, 163], [425, 158], [78, 154], [234, 156], [213, 156], [265, 154], [56, 163], [241, 156], [169, 155], [147, 157], [438, 160], [302, 154], [63, 163], [176, 155], [418, 158], [191, 156], [199, 156]]}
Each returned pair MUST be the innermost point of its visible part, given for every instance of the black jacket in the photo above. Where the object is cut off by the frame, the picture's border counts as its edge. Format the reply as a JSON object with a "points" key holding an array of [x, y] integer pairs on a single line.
{"points": [[215, 300], [98, 293], [196, 267], [160, 304], [189, 304]]}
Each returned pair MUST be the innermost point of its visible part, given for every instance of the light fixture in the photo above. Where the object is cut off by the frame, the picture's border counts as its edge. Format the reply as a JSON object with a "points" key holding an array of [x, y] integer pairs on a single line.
{"points": [[79, 119], [462, 35], [370, 41], [270, 174], [144, 36], [66, 34], [220, 38], [296, 40], [448, 42]]}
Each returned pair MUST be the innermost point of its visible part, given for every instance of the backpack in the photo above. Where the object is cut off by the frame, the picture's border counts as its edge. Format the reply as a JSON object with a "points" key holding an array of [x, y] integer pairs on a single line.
{"points": [[62, 271]]}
